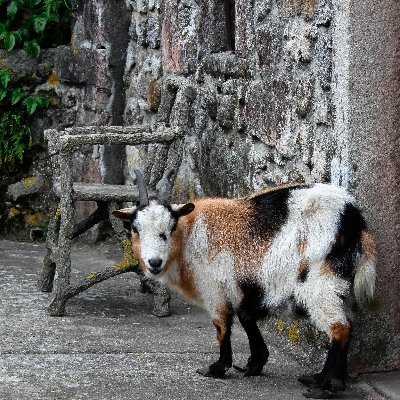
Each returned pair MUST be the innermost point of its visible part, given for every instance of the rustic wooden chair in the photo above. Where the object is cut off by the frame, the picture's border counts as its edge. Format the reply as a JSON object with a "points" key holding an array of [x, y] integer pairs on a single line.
{"points": [[62, 229]]}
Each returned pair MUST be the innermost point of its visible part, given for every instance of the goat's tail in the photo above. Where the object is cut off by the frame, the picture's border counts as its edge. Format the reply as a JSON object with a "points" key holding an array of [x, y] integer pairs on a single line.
{"points": [[364, 280]]}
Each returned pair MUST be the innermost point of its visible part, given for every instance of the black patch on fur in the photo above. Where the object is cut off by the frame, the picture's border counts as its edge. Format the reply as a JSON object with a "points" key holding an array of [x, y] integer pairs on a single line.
{"points": [[270, 210], [347, 246], [302, 275], [252, 303]]}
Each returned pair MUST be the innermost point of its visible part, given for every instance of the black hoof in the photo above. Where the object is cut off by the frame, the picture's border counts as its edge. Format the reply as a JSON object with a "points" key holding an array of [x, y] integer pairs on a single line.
{"points": [[310, 380], [240, 369], [318, 393], [213, 371], [333, 384], [254, 370], [254, 367]]}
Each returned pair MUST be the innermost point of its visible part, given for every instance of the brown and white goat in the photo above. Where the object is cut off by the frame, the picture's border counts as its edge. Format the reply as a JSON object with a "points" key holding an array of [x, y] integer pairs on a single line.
{"points": [[301, 246]]}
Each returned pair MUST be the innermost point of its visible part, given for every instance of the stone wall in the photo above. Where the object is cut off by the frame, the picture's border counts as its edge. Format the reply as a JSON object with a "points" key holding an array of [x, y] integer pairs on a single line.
{"points": [[259, 115]]}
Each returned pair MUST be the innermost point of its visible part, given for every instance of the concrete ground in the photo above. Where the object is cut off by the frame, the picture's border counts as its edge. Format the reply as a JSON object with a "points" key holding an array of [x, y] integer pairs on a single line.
{"points": [[110, 346]]}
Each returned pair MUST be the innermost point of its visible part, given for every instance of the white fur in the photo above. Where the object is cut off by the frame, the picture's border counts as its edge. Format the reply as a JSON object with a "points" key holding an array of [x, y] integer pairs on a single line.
{"points": [[214, 277], [151, 222]]}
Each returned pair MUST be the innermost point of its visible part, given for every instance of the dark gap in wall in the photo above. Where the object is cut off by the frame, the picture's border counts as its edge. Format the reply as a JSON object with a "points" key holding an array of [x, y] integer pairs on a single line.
{"points": [[117, 23], [229, 10]]}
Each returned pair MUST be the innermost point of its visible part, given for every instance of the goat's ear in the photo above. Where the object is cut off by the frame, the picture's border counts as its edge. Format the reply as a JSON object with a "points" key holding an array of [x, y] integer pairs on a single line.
{"points": [[125, 214], [185, 209]]}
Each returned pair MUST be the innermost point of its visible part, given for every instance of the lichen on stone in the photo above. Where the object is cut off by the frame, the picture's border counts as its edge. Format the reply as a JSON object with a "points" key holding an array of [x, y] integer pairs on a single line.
{"points": [[29, 181], [280, 326], [14, 212], [35, 219], [53, 79], [293, 333], [128, 259]]}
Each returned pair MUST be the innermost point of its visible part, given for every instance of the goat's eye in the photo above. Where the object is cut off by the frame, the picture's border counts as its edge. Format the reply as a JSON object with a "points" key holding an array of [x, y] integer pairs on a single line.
{"points": [[163, 236]]}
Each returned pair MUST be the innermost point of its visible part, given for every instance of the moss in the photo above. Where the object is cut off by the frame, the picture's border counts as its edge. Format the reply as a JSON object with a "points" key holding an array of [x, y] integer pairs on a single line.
{"points": [[280, 326], [128, 259], [293, 333], [375, 305], [14, 212], [154, 95], [53, 79], [381, 336], [29, 181], [34, 220], [58, 212]]}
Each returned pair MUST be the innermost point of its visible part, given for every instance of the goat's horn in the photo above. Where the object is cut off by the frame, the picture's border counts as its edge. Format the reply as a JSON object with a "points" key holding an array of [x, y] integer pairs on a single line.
{"points": [[164, 187], [143, 196]]}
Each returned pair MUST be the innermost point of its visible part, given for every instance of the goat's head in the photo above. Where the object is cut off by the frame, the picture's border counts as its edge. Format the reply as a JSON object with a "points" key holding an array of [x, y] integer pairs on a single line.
{"points": [[153, 222]]}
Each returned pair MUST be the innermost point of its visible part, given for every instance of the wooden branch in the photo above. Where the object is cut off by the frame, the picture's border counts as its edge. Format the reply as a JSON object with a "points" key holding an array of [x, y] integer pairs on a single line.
{"points": [[100, 214], [97, 277]]}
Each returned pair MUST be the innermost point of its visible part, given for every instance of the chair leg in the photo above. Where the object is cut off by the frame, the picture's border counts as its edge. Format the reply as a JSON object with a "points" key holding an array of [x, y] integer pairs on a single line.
{"points": [[63, 256], [162, 296], [48, 270]]}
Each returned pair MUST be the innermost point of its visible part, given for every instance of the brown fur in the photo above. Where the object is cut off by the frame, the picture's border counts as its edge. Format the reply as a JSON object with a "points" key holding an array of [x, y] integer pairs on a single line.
{"points": [[229, 226], [326, 269], [137, 250], [301, 246], [369, 246], [222, 323], [303, 270], [186, 279], [340, 333]]}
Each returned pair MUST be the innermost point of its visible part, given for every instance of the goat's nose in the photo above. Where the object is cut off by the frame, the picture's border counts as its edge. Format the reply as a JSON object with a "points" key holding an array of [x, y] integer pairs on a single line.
{"points": [[155, 264]]}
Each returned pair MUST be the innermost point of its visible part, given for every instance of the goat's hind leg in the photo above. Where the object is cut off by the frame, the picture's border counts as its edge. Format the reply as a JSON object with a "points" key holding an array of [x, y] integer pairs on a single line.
{"points": [[327, 311], [333, 375], [258, 349]]}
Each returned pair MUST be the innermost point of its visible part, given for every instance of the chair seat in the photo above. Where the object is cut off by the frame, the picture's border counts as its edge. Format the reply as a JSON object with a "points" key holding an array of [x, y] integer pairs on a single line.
{"points": [[101, 192]]}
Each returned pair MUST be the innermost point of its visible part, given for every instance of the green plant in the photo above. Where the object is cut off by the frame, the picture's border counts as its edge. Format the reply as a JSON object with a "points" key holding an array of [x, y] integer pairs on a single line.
{"points": [[15, 134], [15, 137], [33, 24], [17, 106]]}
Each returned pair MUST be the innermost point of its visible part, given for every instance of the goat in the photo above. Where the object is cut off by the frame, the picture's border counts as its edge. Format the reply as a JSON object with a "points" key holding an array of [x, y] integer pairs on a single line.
{"points": [[305, 246]]}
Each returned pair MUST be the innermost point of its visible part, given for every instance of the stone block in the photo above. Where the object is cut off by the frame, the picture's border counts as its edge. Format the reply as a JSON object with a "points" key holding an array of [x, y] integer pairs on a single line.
{"points": [[227, 65], [179, 36], [82, 66], [26, 69], [226, 111], [26, 187], [267, 103]]}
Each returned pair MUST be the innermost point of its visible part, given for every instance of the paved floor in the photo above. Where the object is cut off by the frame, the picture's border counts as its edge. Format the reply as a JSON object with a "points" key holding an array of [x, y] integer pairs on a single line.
{"points": [[110, 346]]}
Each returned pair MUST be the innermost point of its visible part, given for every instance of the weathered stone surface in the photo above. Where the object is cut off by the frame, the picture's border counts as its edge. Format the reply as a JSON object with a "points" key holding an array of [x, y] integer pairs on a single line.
{"points": [[26, 187], [27, 70], [82, 66]]}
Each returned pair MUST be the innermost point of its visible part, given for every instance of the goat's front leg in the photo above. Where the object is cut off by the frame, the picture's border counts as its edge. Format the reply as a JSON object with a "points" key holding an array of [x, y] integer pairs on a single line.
{"points": [[223, 323]]}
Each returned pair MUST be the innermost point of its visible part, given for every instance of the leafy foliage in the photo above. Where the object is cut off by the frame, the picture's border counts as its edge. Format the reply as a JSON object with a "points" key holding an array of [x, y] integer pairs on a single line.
{"points": [[33, 24], [15, 135], [30, 25]]}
